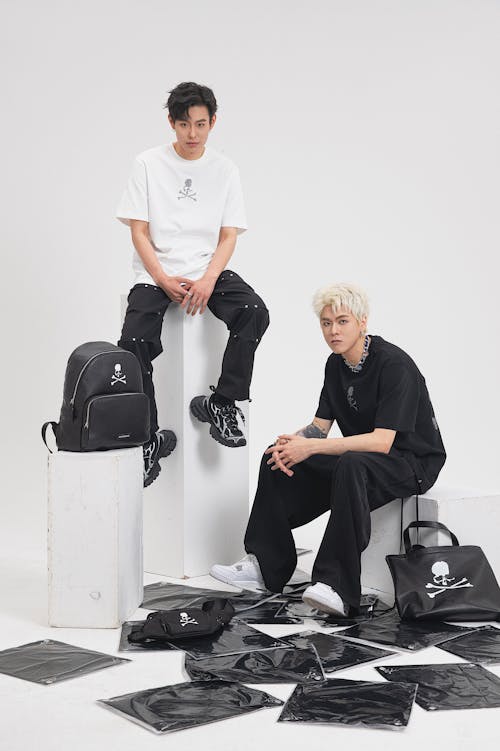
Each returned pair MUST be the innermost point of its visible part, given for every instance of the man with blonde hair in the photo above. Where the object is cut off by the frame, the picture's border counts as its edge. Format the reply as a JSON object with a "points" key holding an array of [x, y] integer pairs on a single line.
{"points": [[390, 447]]}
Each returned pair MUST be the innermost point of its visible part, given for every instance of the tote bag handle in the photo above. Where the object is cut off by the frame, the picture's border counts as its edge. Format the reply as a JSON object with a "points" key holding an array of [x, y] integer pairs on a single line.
{"points": [[431, 525]]}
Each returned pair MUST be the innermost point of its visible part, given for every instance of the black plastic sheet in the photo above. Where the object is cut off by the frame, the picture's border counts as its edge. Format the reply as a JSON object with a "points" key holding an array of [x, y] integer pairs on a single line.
{"points": [[449, 686], [370, 606], [482, 645], [282, 665], [166, 596], [234, 638], [334, 652], [247, 600], [344, 702], [186, 705], [300, 609], [391, 630], [127, 646], [268, 612], [49, 661]]}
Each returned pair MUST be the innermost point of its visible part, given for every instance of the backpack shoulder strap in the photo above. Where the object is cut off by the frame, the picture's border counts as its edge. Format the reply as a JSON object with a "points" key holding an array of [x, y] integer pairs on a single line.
{"points": [[44, 431]]}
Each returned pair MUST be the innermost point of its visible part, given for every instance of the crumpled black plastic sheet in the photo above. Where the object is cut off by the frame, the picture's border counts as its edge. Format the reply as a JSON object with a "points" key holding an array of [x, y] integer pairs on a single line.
{"points": [[282, 665], [336, 653], [49, 661], [269, 607], [269, 612], [186, 705], [482, 645], [370, 606], [247, 599], [344, 702], [448, 686], [234, 638], [127, 646], [166, 596], [300, 609], [391, 630]]}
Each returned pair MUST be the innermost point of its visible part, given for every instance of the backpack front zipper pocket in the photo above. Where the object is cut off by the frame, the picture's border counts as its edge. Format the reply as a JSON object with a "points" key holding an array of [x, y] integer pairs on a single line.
{"points": [[115, 421]]}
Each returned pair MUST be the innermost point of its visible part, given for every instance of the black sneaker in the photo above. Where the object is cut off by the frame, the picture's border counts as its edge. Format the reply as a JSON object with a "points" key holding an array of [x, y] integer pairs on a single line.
{"points": [[223, 419], [161, 444]]}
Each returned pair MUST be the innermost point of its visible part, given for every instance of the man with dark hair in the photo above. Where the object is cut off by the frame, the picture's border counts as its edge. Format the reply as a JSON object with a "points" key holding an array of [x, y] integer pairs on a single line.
{"points": [[390, 448], [187, 95], [184, 206]]}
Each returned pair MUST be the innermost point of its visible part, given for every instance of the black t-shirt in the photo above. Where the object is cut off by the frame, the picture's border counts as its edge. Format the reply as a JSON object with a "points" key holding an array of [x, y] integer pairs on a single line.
{"points": [[388, 392]]}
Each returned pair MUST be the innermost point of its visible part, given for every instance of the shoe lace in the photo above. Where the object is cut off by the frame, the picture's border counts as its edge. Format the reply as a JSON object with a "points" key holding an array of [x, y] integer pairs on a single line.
{"points": [[229, 413]]}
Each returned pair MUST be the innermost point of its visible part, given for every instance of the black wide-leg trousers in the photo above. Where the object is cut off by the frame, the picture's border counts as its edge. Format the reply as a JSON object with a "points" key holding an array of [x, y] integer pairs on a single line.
{"points": [[349, 486], [232, 301]]}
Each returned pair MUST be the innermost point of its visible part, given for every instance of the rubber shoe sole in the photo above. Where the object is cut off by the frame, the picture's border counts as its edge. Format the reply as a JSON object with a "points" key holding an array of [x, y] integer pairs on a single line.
{"points": [[198, 410], [168, 445], [153, 474]]}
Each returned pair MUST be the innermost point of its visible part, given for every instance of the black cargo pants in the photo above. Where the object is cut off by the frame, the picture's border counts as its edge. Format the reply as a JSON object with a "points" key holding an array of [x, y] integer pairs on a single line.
{"points": [[232, 301]]}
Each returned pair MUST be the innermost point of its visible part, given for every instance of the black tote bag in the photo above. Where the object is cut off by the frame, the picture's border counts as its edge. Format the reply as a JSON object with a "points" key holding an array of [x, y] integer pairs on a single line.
{"points": [[445, 582]]}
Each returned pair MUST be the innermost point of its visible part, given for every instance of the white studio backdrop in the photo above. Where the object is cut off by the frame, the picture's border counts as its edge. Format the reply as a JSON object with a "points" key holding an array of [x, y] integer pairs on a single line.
{"points": [[366, 132]]}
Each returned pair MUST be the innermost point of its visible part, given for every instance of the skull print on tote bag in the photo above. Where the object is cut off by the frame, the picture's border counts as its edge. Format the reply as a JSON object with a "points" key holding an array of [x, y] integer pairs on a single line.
{"points": [[104, 406], [444, 582]]}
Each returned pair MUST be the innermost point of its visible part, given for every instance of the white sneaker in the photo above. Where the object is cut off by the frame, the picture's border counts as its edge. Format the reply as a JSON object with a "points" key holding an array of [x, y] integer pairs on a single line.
{"points": [[324, 598], [245, 573]]}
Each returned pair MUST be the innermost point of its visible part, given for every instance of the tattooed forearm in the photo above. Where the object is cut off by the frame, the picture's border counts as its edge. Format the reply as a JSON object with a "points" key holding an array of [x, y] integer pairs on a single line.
{"points": [[311, 431]]}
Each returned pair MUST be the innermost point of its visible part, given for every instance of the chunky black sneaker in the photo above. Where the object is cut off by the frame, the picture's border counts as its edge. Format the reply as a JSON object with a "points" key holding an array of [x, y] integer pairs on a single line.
{"points": [[223, 419], [161, 444]]}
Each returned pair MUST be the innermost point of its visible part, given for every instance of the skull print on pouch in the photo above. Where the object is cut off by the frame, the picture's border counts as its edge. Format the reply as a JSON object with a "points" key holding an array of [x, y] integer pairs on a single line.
{"points": [[185, 619]]}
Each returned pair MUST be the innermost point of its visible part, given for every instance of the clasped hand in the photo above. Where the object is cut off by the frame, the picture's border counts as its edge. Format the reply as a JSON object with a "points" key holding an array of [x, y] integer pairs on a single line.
{"points": [[288, 451], [197, 296]]}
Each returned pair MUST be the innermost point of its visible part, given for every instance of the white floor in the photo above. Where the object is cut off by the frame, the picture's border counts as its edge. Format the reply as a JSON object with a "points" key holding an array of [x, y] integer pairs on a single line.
{"points": [[66, 716]]}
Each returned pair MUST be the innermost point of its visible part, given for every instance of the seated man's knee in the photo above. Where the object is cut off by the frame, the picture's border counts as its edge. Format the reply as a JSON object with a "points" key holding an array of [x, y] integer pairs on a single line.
{"points": [[251, 319], [351, 462]]}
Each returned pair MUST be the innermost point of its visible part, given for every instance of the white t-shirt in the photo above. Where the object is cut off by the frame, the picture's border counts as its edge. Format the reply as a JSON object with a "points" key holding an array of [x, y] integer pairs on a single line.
{"points": [[186, 202]]}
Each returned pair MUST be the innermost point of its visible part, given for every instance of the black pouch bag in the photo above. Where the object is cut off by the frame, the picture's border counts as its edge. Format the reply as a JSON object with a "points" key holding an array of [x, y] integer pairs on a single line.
{"points": [[173, 625], [104, 406], [444, 582]]}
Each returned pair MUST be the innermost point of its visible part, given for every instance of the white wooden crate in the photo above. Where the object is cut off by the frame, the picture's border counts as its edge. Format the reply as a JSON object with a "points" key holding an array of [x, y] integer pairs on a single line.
{"points": [[195, 513], [94, 537]]}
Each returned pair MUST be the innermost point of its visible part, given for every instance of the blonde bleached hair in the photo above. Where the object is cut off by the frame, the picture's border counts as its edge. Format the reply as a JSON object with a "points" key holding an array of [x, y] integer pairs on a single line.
{"points": [[348, 296]]}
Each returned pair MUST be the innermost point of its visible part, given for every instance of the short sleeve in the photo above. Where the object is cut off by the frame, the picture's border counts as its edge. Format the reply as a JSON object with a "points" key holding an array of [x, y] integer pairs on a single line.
{"points": [[134, 201], [398, 398], [234, 209], [324, 411]]}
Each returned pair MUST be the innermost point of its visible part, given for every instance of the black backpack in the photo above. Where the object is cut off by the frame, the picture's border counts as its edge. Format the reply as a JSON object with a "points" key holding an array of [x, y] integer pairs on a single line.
{"points": [[104, 406]]}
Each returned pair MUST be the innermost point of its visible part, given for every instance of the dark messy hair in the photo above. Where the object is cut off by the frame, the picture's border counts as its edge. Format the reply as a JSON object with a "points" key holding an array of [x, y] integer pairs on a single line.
{"points": [[189, 94]]}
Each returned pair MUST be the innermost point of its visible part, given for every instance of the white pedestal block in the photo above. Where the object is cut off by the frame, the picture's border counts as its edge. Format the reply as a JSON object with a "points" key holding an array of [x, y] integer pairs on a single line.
{"points": [[472, 515], [385, 540], [195, 513], [95, 537]]}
